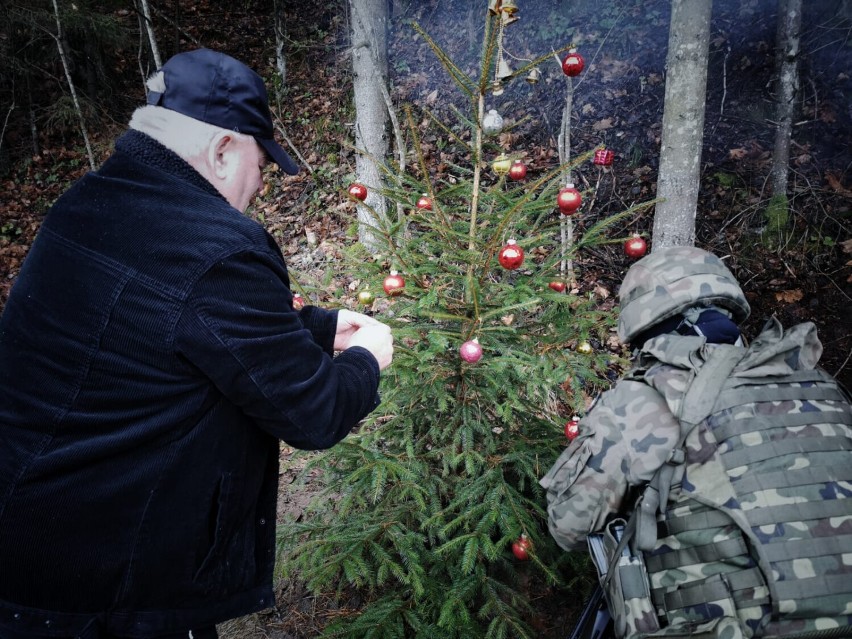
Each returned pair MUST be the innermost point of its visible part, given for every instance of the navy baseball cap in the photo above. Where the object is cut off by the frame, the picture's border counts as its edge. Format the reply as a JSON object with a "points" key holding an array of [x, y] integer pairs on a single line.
{"points": [[215, 88]]}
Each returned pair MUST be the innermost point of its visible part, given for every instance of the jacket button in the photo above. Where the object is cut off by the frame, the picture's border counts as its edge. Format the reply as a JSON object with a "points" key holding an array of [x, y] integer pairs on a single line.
{"points": [[17, 615], [262, 521]]}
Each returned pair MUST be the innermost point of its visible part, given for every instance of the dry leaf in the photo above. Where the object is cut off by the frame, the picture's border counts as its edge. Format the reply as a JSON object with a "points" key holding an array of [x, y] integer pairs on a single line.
{"points": [[587, 109], [834, 182], [789, 296], [737, 154], [602, 125], [602, 292], [847, 247], [507, 319], [432, 97]]}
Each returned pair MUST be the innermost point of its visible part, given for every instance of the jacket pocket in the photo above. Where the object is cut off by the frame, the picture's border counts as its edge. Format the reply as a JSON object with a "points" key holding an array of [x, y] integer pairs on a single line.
{"points": [[212, 566]]}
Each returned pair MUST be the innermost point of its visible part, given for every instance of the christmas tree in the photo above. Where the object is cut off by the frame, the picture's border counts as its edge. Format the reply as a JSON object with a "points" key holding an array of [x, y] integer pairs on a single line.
{"points": [[433, 508]]}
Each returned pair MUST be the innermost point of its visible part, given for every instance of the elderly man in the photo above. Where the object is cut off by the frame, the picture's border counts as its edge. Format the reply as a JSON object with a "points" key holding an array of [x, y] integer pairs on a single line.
{"points": [[150, 361]]}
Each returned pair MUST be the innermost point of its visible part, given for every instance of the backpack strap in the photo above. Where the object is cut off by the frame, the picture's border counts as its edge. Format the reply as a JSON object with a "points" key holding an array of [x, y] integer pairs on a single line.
{"points": [[696, 406]]}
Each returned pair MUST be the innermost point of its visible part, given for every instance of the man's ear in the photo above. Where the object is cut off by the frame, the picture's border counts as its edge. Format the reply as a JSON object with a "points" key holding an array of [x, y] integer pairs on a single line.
{"points": [[220, 154]]}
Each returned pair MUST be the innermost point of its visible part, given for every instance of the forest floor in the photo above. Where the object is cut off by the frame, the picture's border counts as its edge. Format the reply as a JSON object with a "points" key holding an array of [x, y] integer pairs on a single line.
{"points": [[803, 276]]}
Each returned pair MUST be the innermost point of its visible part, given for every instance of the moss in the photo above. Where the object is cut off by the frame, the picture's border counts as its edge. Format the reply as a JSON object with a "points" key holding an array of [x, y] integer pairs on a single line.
{"points": [[777, 216]]}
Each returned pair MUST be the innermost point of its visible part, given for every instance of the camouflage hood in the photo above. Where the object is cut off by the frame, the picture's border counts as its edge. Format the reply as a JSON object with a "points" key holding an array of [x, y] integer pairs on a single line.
{"points": [[774, 352], [672, 280]]}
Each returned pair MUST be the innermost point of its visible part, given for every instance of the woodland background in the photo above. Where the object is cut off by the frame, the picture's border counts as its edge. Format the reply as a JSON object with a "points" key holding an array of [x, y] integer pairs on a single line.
{"points": [[618, 102]]}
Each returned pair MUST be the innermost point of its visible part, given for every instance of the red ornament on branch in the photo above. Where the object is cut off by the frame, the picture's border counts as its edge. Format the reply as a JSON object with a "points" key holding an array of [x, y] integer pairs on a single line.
{"points": [[518, 170], [298, 302], [358, 191], [635, 247], [424, 203], [471, 351], [558, 286], [569, 200], [511, 256], [573, 63], [603, 157], [572, 428], [393, 284], [521, 547]]}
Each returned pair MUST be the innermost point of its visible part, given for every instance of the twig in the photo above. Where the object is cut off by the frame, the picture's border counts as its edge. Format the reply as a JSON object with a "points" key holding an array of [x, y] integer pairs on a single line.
{"points": [[280, 127], [724, 82], [5, 123]]}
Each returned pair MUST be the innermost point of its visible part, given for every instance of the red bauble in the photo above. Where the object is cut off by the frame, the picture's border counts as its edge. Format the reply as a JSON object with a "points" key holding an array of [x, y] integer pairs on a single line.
{"points": [[558, 286], [572, 428], [635, 247], [471, 351], [358, 191], [394, 283], [573, 64], [569, 200], [521, 547], [424, 203], [603, 157], [298, 302], [511, 256], [518, 170]]}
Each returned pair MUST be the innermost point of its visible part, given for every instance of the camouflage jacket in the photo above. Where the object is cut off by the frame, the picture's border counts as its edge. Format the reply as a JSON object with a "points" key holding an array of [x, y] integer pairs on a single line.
{"points": [[803, 421]]}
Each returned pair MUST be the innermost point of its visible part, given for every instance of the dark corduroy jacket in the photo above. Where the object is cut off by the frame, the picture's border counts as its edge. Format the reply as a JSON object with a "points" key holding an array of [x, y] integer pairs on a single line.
{"points": [[150, 360]]}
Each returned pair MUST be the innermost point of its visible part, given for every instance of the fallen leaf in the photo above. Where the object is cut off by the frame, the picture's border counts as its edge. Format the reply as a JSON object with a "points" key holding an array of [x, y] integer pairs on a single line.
{"points": [[789, 296], [847, 247], [737, 154], [602, 292], [432, 97], [602, 125]]}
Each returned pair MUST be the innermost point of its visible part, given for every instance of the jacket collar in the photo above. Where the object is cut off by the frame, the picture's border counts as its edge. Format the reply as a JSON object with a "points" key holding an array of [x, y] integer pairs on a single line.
{"points": [[143, 148]]}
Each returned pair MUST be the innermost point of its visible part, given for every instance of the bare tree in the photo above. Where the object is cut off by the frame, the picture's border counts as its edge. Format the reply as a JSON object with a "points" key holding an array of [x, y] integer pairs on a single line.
{"points": [[149, 28], [280, 28], [787, 87], [370, 69], [65, 66], [683, 123]]}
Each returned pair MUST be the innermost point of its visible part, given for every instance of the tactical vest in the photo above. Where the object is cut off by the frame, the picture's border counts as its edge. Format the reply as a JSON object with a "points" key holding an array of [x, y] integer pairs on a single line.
{"points": [[750, 522]]}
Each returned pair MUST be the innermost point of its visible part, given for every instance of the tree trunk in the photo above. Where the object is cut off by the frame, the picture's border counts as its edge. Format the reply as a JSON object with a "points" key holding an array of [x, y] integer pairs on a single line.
{"points": [[566, 222], [370, 70], [149, 28], [683, 123], [787, 87], [64, 58], [280, 28]]}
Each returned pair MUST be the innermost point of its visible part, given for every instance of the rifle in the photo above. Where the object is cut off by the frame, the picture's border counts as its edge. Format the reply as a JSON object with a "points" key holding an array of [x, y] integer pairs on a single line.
{"points": [[595, 621]]}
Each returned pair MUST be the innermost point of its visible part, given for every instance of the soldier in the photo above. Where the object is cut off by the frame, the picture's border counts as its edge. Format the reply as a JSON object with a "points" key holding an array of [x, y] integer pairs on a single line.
{"points": [[740, 458]]}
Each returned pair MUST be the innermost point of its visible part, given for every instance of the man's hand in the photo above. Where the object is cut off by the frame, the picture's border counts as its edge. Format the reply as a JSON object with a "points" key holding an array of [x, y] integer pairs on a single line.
{"points": [[357, 329]]}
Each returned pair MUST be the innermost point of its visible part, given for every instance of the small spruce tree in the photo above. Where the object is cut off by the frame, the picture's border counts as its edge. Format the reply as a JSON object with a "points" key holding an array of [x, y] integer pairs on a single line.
{"points": [[424, 503]]}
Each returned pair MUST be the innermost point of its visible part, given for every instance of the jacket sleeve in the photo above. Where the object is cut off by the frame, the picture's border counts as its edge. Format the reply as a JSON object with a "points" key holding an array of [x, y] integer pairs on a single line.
{"points": [[239, 329], [322, 323], [623, 441]]}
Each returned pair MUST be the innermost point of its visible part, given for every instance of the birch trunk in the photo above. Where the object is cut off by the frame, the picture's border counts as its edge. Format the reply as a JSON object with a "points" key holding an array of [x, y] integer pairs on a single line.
{"points": [[64, 58], [683, 123], [787, 55], [370, 71], [149, 29]]}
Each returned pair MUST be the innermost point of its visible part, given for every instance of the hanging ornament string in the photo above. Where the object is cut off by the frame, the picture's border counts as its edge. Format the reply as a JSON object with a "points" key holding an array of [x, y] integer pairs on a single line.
{"points": [[499, 54]]}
